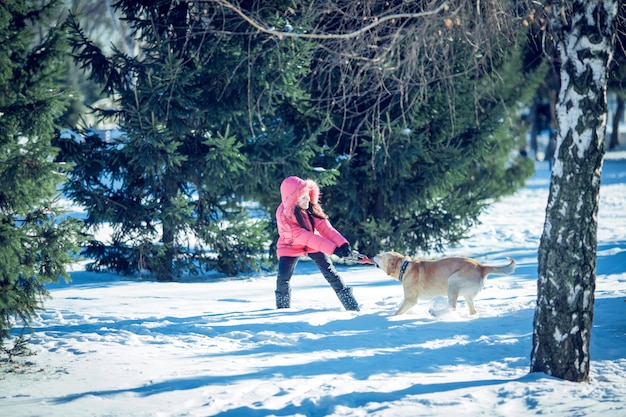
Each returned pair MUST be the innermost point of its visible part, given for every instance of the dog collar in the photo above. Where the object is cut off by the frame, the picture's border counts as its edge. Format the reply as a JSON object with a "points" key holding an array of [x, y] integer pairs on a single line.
{"points": [[403, 269]]}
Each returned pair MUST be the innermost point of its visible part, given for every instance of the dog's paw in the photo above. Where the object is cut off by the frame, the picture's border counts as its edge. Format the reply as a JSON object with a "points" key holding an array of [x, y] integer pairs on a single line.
{"points": [[441, 312], [439, 307]]}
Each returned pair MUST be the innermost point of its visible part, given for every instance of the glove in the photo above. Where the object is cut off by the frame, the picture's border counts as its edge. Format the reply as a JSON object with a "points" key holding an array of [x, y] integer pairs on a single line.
{"points": [[343, 250]]}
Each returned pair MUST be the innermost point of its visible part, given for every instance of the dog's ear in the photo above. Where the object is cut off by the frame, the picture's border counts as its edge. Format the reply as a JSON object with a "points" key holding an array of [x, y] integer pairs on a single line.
{"points": [[386, 262], [393, 262]]}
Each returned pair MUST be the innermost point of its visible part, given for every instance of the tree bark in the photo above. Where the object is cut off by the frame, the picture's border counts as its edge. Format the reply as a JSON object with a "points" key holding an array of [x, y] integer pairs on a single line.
{"points": [[584, 34], [617, 117]]}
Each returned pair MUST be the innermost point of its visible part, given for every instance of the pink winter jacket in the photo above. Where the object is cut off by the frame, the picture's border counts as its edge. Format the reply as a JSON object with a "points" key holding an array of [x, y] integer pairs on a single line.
{"points": [[293, 239]]}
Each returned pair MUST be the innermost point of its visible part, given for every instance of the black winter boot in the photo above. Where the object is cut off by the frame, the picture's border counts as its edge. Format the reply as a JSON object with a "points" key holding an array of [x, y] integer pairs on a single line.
{"points": [[283, 300], [347, 299]]}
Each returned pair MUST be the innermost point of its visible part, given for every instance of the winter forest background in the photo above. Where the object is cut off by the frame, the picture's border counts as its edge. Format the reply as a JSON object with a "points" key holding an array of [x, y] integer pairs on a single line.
{"points": [[172, 124]]}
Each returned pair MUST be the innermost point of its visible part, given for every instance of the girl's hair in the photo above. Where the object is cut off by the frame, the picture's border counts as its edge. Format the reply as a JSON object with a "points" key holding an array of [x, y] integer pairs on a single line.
{"points": [[314, 210]]}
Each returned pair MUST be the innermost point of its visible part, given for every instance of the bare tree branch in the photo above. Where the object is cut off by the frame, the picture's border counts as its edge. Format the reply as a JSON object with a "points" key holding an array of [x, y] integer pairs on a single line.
{"points": [[375, 60], [350, 35]]}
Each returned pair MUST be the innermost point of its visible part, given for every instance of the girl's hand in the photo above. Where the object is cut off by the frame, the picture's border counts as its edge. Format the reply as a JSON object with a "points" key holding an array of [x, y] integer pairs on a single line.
{"points": [[343, 251]]}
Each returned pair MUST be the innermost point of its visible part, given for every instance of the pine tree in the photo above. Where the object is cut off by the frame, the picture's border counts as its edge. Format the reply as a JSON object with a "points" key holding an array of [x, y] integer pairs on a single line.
{"points": [[203, 119], [414, 107], [416, 173], [210, 89], [35, 242]]}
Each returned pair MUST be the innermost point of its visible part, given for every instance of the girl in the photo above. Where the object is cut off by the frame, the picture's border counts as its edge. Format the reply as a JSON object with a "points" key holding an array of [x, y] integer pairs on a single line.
{"points": [[304, 229]]}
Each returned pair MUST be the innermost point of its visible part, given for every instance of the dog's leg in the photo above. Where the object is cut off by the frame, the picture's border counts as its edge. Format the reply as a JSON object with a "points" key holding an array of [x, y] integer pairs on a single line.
{"points": [[406, 306], [455, 283], [410, 298], [453, 295], [470, 304]]}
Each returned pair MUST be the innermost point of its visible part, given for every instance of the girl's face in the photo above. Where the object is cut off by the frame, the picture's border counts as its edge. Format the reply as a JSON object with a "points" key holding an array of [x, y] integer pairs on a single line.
{"points": [[304, 201]]}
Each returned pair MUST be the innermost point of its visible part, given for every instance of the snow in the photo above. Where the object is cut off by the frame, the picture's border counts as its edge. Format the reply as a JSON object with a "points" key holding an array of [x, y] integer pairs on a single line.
{"points": [[114, 346]]}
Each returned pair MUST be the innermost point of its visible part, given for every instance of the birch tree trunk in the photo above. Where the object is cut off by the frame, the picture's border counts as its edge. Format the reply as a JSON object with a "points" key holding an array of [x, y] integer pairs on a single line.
{"points": [[584, 32]]}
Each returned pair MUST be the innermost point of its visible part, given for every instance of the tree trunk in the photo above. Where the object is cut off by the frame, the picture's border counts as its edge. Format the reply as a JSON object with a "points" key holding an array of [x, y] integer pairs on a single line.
{"points": [[534, 128], [165, 271], [567, 254], [617, 117]]}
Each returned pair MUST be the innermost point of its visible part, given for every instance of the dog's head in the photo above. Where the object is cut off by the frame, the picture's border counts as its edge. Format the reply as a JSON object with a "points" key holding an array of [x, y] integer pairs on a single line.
{"points": [[390, 262]]}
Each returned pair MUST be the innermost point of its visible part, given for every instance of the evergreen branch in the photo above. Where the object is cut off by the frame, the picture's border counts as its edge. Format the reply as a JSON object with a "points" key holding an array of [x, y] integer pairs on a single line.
{"points": [[19, 348], [91, 58]]}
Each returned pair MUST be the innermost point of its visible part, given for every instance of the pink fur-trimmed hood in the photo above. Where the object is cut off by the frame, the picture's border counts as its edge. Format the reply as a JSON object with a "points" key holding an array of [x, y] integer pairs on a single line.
{"points": [[292, 188]]}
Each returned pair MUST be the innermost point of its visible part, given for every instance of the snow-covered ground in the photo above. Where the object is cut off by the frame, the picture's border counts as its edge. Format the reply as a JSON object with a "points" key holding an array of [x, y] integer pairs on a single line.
{"points": [[111, 346]]}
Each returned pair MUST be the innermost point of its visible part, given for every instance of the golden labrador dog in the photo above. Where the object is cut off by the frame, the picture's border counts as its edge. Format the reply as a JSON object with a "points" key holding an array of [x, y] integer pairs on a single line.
{"points": [[454, 277]]}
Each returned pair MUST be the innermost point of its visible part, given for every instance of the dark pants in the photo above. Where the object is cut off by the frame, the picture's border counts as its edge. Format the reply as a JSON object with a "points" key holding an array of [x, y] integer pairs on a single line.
{"points": [[287, 264]]}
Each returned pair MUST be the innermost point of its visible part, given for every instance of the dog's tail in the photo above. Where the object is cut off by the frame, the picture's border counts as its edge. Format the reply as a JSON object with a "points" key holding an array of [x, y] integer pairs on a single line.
{"points": [[501, 270]]}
